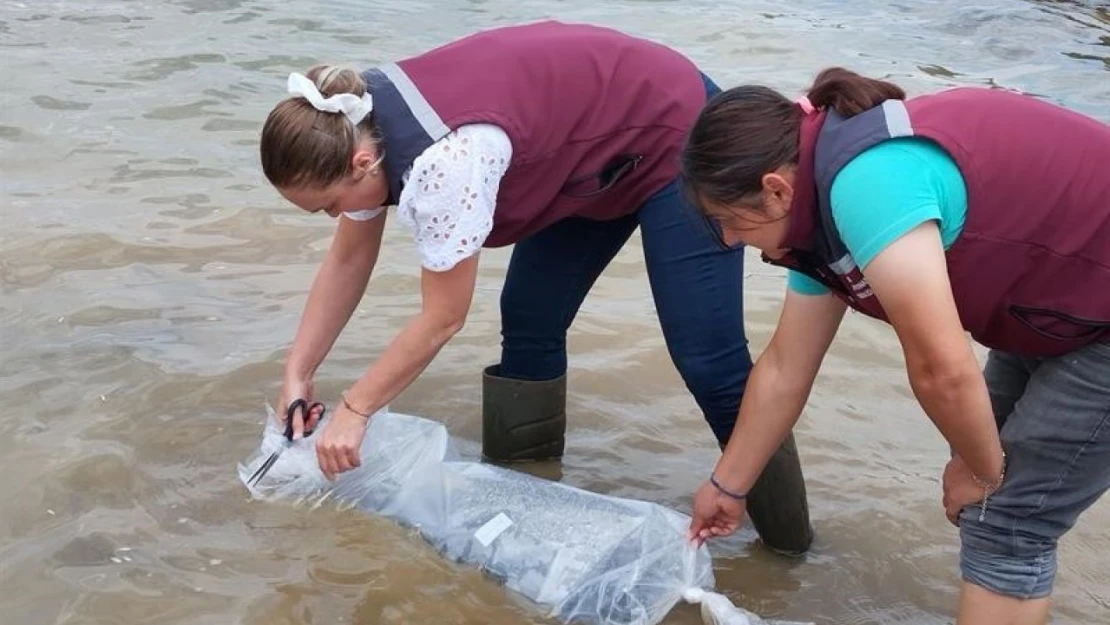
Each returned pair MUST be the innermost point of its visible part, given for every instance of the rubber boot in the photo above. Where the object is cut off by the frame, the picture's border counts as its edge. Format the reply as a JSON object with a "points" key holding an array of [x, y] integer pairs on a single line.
{"points": [[522, 420], [777, 503]]}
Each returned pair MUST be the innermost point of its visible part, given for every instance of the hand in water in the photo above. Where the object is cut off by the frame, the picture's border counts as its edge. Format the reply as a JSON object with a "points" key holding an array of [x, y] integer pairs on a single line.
{"points": [[714, 514], [338, 444], [292, 390]]}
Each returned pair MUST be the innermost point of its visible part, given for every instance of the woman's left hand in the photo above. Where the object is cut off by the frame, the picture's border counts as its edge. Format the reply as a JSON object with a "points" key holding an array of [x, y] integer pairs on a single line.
{"points": [[338, 443], [960, 489]]}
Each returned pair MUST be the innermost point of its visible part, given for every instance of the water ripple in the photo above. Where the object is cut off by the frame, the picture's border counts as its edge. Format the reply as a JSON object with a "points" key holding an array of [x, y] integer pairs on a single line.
{"points": [[152, 281]]}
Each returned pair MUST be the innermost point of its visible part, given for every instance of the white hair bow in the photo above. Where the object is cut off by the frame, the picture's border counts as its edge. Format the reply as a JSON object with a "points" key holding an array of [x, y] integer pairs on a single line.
{"points": [[355, 108]]}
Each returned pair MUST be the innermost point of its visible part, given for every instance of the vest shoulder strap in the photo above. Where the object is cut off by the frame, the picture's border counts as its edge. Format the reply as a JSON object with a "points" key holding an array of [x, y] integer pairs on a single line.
{"points": [[841, 140], [408, 123]]}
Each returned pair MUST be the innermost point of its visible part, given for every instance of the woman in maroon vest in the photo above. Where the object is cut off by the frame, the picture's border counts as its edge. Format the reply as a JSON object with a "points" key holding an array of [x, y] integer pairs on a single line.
{"points": [[970, 210], [561, 139]]}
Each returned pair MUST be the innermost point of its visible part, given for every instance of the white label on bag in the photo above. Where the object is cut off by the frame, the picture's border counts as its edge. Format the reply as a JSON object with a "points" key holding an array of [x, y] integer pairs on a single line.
{"points": [[493, 528]]}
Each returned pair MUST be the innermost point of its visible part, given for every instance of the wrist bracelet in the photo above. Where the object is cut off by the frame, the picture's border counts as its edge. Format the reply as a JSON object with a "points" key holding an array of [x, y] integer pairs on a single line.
{"points": [[725, 491], [989, 489], [348, 406], [997, 483]]}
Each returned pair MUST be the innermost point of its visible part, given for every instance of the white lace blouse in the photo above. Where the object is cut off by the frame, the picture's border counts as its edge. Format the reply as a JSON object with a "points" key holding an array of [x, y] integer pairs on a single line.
{"points": [[451, 191]]}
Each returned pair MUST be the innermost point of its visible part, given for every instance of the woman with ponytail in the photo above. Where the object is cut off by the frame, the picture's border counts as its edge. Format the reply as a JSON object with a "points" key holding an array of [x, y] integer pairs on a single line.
{"points": [[562, 139], [969, 210]]}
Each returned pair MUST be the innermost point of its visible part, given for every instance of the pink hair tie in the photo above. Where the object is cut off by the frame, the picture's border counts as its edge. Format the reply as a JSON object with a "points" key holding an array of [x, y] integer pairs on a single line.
{"points": [[807, 106]]}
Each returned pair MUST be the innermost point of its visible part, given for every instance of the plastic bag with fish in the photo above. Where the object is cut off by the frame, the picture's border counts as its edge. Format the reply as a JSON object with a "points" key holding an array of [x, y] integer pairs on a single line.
{"points": [[580, 557]]}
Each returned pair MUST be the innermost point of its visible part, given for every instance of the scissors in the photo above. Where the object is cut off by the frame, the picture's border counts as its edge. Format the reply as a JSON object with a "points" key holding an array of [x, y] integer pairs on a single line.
{"points": [[298, 404]]}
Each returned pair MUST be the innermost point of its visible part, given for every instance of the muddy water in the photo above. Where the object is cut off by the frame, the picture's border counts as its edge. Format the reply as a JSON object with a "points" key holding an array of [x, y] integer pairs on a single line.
{"points": [[150, 282]]}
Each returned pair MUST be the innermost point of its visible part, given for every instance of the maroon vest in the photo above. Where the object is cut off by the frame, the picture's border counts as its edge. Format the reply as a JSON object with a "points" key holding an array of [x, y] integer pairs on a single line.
{"points": [[1030, 271], [596, 118]]}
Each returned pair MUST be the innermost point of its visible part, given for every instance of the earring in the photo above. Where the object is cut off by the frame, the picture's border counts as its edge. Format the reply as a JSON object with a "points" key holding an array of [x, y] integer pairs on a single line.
{"points": [[375, 166]]}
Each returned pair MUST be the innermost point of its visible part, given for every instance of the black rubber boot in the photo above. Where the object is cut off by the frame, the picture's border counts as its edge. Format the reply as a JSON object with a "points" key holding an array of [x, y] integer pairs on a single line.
{"points": [[522, 420], [778, 505]]}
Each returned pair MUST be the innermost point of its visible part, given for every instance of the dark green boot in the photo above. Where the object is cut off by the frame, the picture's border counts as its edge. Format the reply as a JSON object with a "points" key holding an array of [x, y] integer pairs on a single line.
{"points": [[522, 420], [778, 505]]}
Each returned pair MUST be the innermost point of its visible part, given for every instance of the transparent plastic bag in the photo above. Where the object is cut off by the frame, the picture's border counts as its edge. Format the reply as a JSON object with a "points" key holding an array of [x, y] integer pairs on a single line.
{"points": [[582, 557]]}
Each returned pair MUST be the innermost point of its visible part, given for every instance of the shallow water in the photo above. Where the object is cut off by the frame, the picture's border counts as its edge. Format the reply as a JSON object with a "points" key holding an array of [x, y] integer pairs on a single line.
{"points": [[151, 281]]}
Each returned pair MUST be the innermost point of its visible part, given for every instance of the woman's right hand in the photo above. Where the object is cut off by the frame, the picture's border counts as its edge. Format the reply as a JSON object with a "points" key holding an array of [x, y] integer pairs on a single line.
{"points": [[714, 514], [292, 390]]}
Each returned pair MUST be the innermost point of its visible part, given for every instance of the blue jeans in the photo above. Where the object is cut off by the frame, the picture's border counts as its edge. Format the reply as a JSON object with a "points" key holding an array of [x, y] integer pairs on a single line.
{"points": [[1054, 420], [697, 287]]}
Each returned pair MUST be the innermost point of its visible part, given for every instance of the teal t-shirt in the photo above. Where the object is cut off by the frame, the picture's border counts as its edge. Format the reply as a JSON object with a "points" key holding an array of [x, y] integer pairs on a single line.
{"points": [[888, 190]]}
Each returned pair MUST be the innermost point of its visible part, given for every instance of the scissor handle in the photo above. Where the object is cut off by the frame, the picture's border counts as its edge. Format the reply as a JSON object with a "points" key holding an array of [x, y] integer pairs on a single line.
{"points": [[292, 411]]}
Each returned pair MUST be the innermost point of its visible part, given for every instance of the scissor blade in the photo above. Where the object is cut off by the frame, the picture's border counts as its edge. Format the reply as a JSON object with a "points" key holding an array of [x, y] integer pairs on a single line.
{"points": [[262, 470]]}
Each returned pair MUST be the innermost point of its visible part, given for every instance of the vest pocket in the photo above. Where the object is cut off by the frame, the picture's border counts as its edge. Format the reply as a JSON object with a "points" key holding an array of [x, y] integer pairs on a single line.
{"points": [[1057, 325], [598, 182]]}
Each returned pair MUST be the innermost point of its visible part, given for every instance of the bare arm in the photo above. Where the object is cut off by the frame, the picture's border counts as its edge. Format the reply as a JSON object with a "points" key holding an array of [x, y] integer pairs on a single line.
{"points": [[336, 291], [470, 185], [910, 278], [779, 386], [446, 298], [467, 191], [446, 301]]}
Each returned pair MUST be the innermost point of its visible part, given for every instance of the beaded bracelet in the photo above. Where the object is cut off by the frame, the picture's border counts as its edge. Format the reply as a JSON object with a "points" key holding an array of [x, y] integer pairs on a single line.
{"points": [[725, 491]]}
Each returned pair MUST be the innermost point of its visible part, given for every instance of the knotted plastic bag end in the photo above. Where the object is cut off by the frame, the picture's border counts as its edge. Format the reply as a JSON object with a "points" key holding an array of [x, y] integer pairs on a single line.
{"points": [[716, 609]]}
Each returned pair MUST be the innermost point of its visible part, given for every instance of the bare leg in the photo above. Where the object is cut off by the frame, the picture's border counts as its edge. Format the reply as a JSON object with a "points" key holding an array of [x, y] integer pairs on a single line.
{"points": [[979, 606]]}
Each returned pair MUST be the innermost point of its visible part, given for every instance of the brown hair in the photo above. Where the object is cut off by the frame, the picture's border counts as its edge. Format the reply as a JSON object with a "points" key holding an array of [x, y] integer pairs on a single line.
{"points": [[748, 131], [303, 146]]}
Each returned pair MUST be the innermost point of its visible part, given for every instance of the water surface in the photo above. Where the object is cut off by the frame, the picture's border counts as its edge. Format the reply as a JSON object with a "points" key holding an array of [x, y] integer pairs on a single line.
{"points": [[151, 282]]}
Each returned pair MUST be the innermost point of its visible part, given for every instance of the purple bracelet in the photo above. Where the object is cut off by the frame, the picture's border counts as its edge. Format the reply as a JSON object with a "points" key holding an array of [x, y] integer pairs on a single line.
{"points": [[717, 485]]}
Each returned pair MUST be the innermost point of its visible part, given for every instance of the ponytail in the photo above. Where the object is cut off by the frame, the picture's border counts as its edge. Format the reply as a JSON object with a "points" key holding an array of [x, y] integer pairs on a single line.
{"points": [[334, 80], [848, 93], [745, 132], [301, 145], [739, 135]]}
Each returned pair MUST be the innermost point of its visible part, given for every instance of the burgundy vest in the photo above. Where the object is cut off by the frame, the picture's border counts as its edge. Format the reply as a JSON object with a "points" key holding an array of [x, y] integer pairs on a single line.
{"points": [[1030, 271], [596, 118]]}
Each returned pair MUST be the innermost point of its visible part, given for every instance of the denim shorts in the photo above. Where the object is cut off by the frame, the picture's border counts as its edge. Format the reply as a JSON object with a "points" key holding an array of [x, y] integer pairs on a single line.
{"points": [[1054, 419]]}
